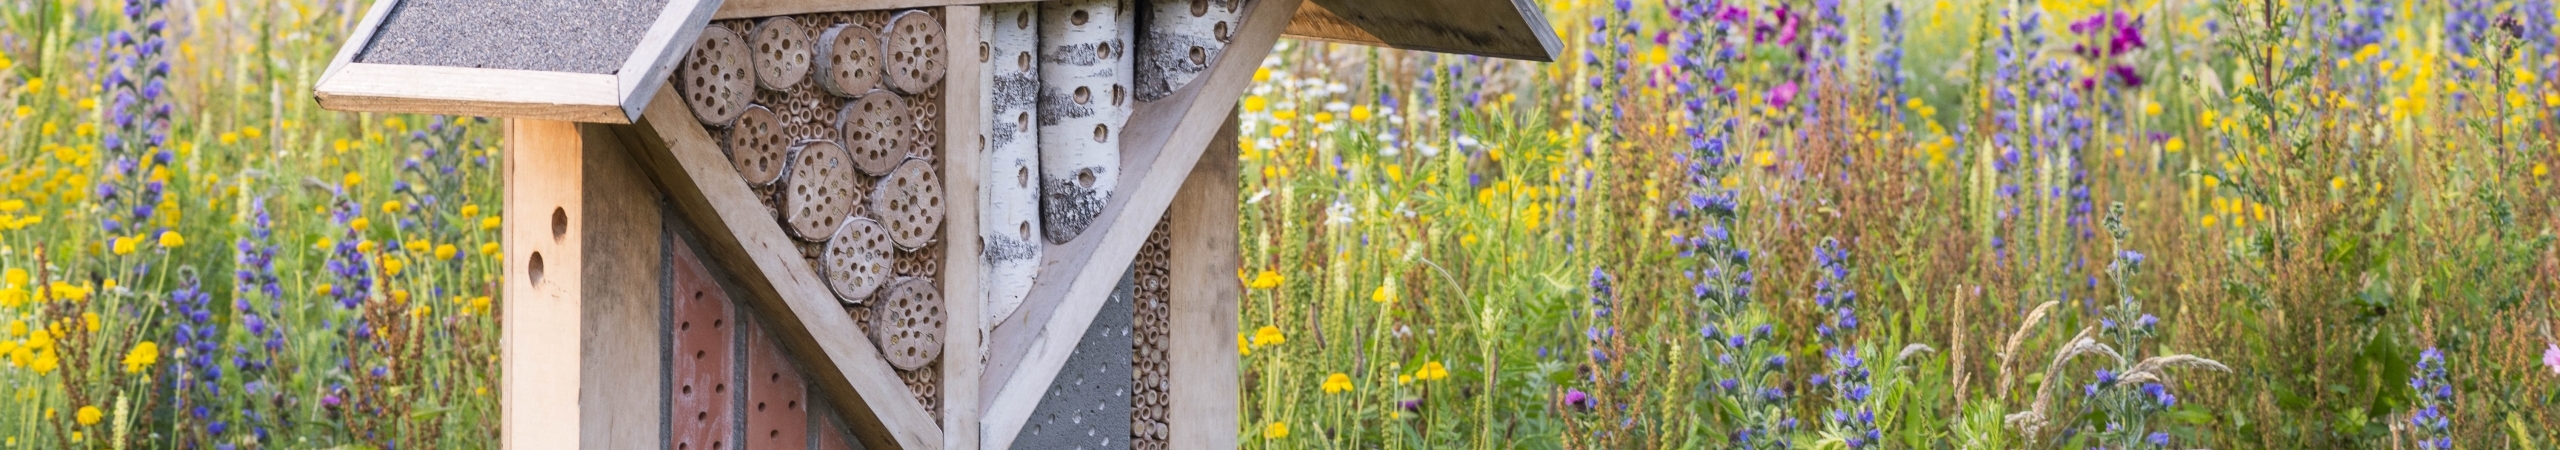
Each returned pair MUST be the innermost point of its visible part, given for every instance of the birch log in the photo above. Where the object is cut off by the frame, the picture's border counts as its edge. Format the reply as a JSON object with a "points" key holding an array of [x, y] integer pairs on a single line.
{"points": [[1085, 74], [1008, 202], [1182, 38]]}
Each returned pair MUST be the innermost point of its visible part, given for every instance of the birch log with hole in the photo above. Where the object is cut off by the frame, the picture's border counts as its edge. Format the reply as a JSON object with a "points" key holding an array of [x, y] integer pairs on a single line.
{"points": [[909, 202], [1085, 75], [914, 50], [758, 146], [857, 259], [1008, 202], [877, 130], [1183, 36], [908, 323], [782, 52], [820, 191], [848, 60], [716, 78]]}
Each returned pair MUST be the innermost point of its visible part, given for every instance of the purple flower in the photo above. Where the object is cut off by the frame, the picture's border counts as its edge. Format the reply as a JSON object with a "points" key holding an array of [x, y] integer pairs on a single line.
{"points": [[1784, 92], [2551, 358], [1577, 399]]}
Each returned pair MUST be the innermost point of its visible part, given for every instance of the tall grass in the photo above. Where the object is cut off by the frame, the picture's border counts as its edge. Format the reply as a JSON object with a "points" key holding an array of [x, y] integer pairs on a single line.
{"points": [[2304, 194]]}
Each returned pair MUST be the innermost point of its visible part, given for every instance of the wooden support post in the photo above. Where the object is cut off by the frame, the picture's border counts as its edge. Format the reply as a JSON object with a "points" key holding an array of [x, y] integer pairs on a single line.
{"points": [[581, 342], [1205, 290], [963, 159]]}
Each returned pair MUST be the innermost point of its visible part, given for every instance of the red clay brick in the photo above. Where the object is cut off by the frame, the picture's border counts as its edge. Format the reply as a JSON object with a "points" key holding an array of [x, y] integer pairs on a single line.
{"points": [[777, 397], [702, 385]]}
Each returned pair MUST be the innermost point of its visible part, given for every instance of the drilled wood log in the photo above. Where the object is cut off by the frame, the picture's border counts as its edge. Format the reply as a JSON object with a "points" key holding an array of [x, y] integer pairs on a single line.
{"points": [[857, 260], [1182, 37], [758, 146], [1008, 201], [717, 79], [1085, 76], [909, 202], [916, 58], [820, 192], [878, 129], [781, 47], [848, 60], [908, 323]]}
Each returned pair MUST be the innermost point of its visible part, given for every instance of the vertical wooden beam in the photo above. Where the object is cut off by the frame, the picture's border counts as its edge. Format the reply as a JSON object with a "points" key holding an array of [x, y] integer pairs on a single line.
{"points": [[580, 342], [539, 381], [1204, 300], [963, 153], [621, 302]]}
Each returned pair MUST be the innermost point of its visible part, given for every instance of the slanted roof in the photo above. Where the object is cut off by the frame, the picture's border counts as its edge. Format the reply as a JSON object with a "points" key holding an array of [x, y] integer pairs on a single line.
{"points": [[576, 60], [1513, 29]]}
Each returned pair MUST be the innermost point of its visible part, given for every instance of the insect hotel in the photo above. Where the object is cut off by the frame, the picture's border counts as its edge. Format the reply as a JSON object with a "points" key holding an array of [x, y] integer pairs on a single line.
{"points": [[806, 224]]}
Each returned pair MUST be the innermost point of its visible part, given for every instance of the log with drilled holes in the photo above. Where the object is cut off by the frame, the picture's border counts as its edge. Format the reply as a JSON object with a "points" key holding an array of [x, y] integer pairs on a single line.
{"points": [[820, 191], [1008, 199], [916, 59], [781, 47], [1085, 75], [1182, 37], [716, 78], [907, 324], [878, 129], [758, 147], [857, 259], [848, 59], [909, 202]]}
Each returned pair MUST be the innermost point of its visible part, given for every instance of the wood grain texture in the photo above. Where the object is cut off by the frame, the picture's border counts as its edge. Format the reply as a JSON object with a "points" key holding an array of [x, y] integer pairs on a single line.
{"points": [[539, 361], [1204, 299], [658, 53], [963, 159], [1515, 29], [520, 94], [619, 384], [1163, 139], [802, 313]]}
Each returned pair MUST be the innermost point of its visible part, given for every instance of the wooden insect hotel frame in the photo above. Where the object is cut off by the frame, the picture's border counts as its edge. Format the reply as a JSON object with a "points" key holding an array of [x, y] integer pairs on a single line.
{"points": [[805, 224]]}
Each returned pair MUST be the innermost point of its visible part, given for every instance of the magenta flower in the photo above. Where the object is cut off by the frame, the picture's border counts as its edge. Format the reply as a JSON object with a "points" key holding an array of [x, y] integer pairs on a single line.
{"points": [[2551, 357], [1784, 93], [1577, 399]]}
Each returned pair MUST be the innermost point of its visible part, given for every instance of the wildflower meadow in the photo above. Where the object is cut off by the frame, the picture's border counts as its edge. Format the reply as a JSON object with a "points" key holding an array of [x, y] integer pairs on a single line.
{"points": [[1709, 224]]}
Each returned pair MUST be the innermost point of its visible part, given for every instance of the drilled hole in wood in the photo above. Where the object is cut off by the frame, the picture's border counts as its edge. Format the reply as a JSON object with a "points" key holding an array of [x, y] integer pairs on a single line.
{"points": [[909, 325], [851, 62], [758, 146], [1101, 133], [782, 52], [533, 269], [716, 77], [878, 130], [916, 54], [857, 260], [821, 190], [559, 223], [909, 202]]}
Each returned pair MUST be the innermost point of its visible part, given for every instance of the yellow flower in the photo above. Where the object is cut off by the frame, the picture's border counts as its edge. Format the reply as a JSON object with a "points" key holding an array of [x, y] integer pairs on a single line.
{"points": [[18, 327], [12, 297], [392, 266], [480, 303], [391, 207], [251, 132], [366, 246], [142, 356], [490, 223], [1275, 430], [490, 249], [2208, 221], [24, 111], [340, 145], [12, 205], [230, 138], [2175, 144], [1323, 116], [16, 277], [1431, 371], [1255, 104], [1268, 336], [89, 415], [323, 290], [1360, 113], [416, 246], [89, 320], [2539, 170], [1383, 295], [1284, 115], [352, 178], [124, 245], [400, 296], [172, 239], [1241, 348], [1259, 75], [1337, 383], [1267, 280], [446, 251], [470, 211], [1404, 379], [45, 362]]}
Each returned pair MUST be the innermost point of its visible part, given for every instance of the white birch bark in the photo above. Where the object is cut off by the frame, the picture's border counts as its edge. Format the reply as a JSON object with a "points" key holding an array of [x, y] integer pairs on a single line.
{"points": [[1182, 38], [1008, 198], [1085, 76]]}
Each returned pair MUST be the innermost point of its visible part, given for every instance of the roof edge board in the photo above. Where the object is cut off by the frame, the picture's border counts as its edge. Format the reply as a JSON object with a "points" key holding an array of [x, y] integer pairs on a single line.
{"points": [[673, 33], [471, 91]]}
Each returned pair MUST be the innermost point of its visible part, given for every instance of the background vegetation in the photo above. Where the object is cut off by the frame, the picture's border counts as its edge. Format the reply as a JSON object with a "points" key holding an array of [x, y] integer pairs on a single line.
{"points": [[1708, 225]]}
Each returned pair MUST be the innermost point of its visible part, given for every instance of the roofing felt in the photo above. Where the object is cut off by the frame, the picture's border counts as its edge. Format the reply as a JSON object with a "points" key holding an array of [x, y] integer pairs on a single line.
{"points": [[579, 36]]}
